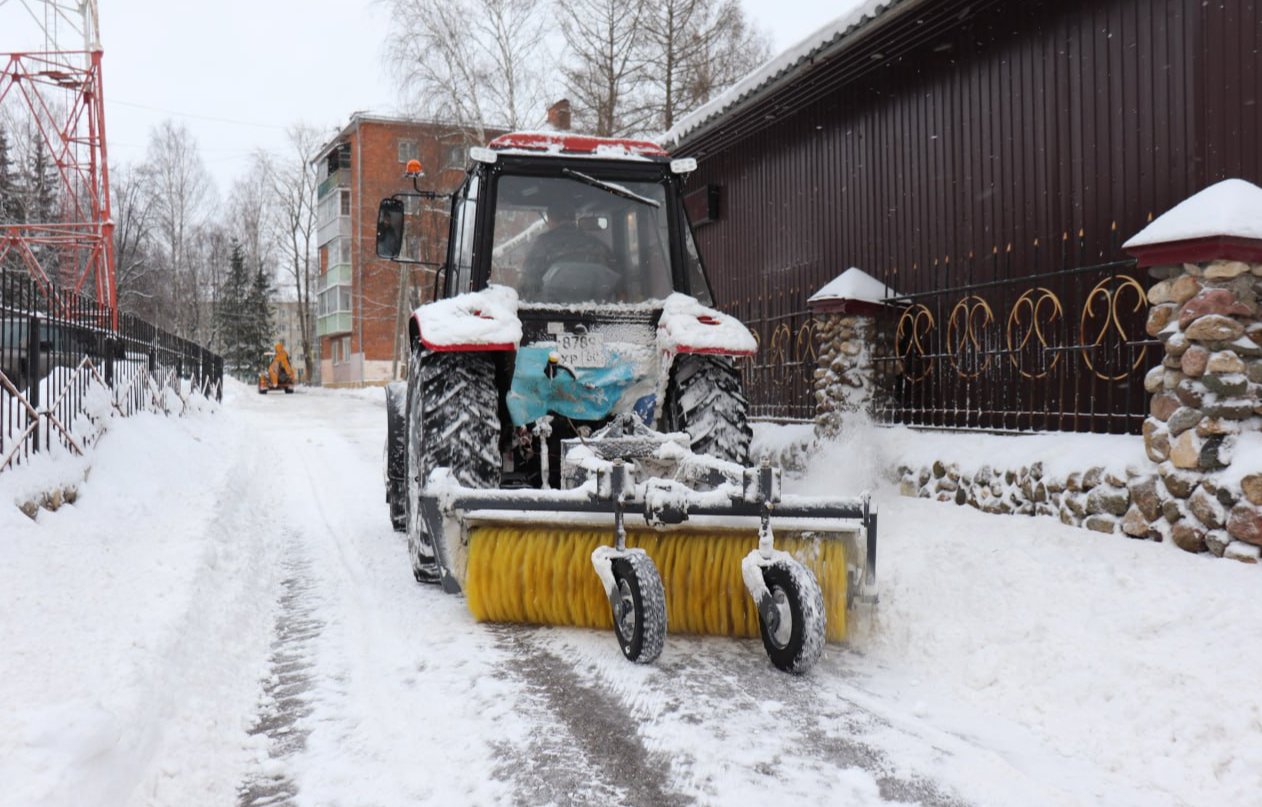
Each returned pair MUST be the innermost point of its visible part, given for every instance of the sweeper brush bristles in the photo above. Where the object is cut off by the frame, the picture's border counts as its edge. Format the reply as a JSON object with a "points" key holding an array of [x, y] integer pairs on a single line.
{"points": [[545, 576]]}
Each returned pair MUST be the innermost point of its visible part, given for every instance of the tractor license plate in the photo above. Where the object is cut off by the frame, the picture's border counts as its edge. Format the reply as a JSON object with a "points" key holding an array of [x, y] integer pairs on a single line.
{"points": [[581, 350]]}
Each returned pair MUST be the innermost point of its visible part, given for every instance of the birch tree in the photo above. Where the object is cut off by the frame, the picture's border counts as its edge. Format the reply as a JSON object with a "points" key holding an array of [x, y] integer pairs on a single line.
{"points": [[183, 194], [472, 62], [135, 267]]}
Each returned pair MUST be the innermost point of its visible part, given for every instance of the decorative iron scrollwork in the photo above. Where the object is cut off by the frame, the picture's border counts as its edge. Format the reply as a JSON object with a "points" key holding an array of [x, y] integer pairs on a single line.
{"points": [[1027, 340], [1102, 315], [965, 336], [778, 353], [911, 338]]}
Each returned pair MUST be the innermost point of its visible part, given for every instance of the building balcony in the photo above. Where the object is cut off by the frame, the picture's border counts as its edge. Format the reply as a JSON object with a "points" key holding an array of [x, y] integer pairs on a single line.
{"points": [[340, 178], [338, 275], [332, 324], [333, 228]]}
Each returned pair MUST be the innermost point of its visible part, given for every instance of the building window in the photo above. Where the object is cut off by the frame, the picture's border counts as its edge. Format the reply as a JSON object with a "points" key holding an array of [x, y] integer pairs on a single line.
{"points": [[334, 300], [346, 202], [408, 151], [346, 348], [455, 156], [340, 252]]}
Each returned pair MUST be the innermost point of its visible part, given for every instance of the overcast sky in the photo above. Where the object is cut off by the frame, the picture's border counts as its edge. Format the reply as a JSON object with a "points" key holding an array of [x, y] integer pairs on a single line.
{"points": [[238, 72]]}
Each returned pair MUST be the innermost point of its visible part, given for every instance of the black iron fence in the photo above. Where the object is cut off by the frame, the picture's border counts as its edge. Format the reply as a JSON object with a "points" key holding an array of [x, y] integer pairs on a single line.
{"points": [[67, 364], [1062, 347], [779, 378]]}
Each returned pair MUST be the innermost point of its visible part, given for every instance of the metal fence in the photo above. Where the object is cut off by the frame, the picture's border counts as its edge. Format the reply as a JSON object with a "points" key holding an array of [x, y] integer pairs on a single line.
{"points": [[1062, 347], [779, 378], [67, 364]]}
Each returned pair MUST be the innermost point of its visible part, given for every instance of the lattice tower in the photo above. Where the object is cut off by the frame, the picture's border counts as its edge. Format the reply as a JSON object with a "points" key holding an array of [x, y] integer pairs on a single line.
{"points": [[56, 222]]}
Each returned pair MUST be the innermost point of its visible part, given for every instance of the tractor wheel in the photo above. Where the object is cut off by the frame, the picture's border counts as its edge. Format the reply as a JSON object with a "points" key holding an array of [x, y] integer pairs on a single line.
{"points": [[453, 422], [639, 609], [394, 461], [706, 399], [793, 631]]}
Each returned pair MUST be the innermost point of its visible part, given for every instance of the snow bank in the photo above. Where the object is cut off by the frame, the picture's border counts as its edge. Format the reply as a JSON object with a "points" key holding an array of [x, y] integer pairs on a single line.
{"points": [[133, 619], [1128, 657]]}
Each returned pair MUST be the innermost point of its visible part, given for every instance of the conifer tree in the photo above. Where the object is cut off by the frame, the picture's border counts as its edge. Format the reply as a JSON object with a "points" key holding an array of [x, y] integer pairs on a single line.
{"points": [[230, 316], [259, 318]]}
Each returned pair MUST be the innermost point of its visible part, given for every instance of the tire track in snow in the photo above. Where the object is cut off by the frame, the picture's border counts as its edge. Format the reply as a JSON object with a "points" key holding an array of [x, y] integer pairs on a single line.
{"points": [[599, 758], [285, 701], [830, 729]]}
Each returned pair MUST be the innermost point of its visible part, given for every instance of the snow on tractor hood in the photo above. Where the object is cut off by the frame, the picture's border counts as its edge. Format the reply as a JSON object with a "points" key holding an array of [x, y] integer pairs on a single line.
{"points": [[480, 320], [687, 326]]}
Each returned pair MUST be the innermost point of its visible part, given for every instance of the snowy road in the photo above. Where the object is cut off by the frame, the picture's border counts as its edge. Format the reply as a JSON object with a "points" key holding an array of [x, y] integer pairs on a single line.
{"points": [[248, 632], [386, 692]]}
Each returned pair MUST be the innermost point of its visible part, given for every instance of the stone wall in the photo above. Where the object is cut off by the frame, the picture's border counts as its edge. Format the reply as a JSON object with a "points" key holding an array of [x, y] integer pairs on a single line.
{"points": [[1135, 504]]}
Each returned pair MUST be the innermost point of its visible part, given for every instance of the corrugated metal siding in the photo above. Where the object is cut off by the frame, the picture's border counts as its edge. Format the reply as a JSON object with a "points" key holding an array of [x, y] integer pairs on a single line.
{"points": [[952, 132]]}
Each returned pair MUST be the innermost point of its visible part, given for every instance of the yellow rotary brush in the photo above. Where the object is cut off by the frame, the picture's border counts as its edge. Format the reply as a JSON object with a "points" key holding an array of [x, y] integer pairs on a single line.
{"points": [[544, 576]]}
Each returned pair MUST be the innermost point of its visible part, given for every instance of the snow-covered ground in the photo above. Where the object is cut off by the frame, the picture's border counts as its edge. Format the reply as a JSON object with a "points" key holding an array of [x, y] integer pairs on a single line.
{"points": [[224, 616]]}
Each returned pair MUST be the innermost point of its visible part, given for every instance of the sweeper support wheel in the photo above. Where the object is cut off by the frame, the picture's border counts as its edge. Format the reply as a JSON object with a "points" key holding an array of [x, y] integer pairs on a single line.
{"points": [[639, 607], [791, 615]]}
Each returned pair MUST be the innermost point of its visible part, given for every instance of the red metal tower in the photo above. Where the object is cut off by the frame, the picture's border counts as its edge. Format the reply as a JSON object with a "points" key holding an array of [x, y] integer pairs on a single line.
{"points": [[52, 88]]}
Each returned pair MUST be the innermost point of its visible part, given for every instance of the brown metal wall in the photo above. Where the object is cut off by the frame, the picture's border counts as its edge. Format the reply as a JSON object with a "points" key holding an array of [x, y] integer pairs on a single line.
{"points": [[959, 127]]}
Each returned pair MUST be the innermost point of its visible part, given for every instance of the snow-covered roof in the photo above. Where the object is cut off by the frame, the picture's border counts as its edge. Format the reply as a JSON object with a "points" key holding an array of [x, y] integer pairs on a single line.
{"points": [[779, 70], [1232, 207], [854, 284]]}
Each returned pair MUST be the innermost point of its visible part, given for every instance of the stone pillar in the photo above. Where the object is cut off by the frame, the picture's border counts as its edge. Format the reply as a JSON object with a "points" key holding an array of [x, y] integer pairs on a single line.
{"points": [[1203, 430], [844, 376]]}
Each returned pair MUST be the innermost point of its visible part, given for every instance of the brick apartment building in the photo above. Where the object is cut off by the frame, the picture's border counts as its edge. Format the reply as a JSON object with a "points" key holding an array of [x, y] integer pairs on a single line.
{"points": [[358, 314]]}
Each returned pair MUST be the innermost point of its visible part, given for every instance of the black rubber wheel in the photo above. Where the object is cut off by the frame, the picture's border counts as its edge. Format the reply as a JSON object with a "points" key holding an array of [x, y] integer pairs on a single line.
{"points": [[394, 460], [707, 399], [262, 391], [796, 639], [289, 390], [639, 613], [453, 422]]}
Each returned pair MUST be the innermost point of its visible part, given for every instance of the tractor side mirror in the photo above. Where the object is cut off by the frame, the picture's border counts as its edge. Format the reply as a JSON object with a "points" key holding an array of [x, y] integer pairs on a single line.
{"points": [[390, 228]]}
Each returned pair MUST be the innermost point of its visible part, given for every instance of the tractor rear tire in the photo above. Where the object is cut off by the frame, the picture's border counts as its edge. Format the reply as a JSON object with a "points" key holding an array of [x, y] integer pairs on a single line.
{"points": [[707, 400]]}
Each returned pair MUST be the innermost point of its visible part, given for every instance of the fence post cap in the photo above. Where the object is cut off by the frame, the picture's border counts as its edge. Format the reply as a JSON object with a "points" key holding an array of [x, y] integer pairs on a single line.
{"points": [[1221, 221]]}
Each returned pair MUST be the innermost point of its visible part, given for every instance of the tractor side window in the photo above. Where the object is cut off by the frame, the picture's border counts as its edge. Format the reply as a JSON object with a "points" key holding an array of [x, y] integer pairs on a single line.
{"points": [[464, 216], [698, 285]]}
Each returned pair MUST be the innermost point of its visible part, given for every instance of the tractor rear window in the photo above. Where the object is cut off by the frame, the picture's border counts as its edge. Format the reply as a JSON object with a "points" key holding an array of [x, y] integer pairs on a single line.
{"points": [[576, 239]]}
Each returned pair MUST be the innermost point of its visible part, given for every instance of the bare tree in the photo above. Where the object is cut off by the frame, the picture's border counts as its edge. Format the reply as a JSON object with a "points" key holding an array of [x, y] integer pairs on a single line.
{"points": [[135, 267], [249, 212], [605, 63], [693, 50], [291, 186], [471, 62], [183, 194]]}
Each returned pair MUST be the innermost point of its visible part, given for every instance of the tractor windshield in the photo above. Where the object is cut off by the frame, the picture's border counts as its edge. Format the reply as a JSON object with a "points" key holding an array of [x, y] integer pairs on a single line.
{"points": [[577, 239]]}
